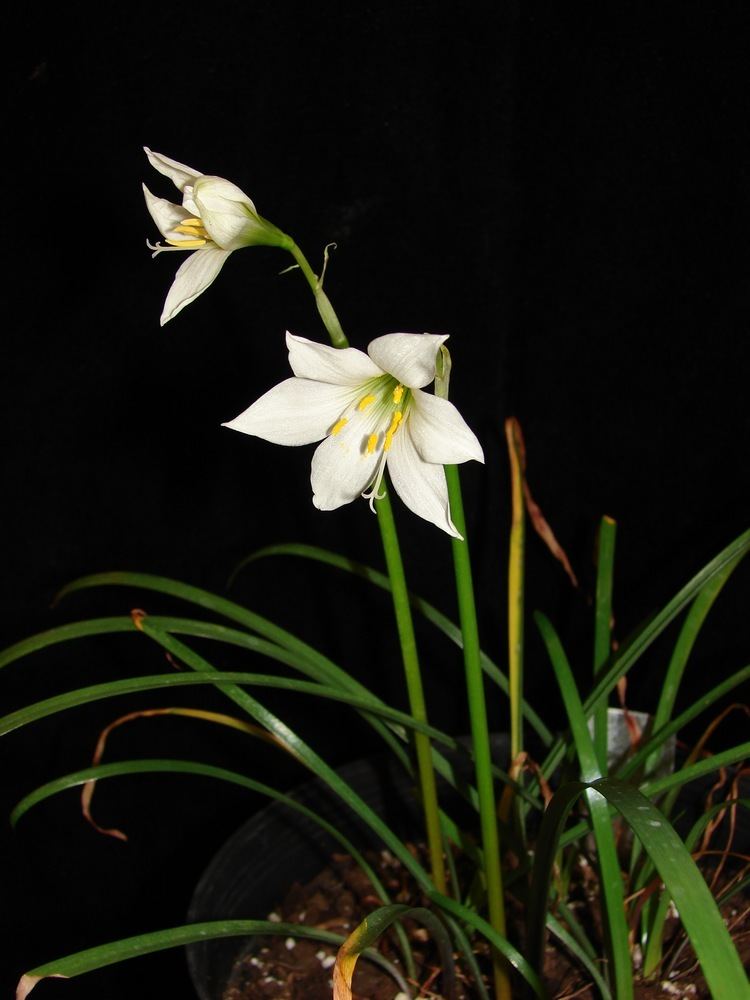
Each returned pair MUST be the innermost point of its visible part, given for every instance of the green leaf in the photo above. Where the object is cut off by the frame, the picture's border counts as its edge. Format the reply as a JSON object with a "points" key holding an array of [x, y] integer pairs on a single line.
{"points": [[652, 953], [610, 877], [316, 666], [243, 616], [580, 954], [694, 619], [304, 753], [698, 770], [509, 951], [660, 735], [603, 626], [244, 640], [368, 932], [435, 617], [699, 913], [175, 937], [130, 685], [639, 643]]}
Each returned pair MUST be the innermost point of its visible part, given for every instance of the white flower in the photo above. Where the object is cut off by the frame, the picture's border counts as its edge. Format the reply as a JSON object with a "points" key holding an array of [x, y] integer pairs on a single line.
{"points": [[215, 218], [371, 411]]}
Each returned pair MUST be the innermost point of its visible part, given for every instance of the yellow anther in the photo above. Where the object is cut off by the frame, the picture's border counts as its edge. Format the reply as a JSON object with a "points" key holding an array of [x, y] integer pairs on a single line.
{"points": [[197, 231], [397, 418], [192, 222], [338, 425], [186, 244], [397, 394], [365, 402], [372, 442]]}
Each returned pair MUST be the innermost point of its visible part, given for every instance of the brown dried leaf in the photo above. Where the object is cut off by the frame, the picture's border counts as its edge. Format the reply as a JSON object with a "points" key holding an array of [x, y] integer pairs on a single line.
{"points": [[541, 525], [87, 792]]}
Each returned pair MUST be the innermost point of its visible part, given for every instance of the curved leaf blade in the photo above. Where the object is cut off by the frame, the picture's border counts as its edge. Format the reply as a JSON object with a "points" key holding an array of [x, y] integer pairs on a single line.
{"points": [[698, 910], [174, 937], [427, 610], [367, 933], [639, 643], [609, 867]]}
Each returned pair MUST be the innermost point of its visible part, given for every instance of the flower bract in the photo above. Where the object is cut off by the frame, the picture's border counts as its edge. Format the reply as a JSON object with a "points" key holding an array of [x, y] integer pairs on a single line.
{"points": [[369, 411], [215, 218]]}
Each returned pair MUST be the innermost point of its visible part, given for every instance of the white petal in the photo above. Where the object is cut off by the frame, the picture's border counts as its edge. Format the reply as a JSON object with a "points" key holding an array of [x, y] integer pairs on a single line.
{"points": [[341, 467], [193, 277], [421, 485], [409, 357], [187, 202], [165, 213], [439, 432], [227, 213], [219, 195], [297, 411], [177, 172], [339, 366]]}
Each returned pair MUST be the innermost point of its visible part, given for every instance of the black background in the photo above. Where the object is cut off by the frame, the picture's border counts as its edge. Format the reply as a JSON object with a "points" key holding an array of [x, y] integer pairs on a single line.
{"points": [[565, 192]]}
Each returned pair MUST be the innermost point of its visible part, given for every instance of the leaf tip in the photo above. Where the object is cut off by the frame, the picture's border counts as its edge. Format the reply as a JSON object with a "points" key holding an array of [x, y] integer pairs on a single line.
{"points": [[27, 983]]}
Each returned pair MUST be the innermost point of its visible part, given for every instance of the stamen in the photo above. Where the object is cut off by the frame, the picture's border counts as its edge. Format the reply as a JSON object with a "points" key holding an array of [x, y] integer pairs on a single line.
{"points": [[339, 425], [365, 402], [397, 394], [397, 418], [185, 244], [192, 222], [372, 442], [197, 231]]}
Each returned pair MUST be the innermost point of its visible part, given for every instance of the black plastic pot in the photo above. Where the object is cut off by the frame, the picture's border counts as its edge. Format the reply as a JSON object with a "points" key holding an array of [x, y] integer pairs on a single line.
{"points": [[253, 870]]}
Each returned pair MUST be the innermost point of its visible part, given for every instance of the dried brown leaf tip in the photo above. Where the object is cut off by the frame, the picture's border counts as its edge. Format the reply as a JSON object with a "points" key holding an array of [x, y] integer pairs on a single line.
{"points": [[137, 615], [517, 450], [27, 983]]}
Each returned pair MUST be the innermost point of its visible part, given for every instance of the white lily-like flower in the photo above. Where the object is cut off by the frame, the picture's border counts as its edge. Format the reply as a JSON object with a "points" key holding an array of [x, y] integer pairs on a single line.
{"points": [[371, 411], [214, 219]]}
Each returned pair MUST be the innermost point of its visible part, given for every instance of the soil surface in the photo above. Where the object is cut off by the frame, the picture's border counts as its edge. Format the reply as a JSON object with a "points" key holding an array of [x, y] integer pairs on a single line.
{"points": [[341, 896]]}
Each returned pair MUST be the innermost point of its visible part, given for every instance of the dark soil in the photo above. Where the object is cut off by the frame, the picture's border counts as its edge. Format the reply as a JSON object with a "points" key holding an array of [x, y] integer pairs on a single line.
{"points": [[341, 896]]}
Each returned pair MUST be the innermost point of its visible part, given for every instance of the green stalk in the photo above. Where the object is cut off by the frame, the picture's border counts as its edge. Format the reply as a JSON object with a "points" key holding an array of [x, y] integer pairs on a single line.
{"points": [[603, 629], [414, 687], [401, 607], [480, 735], [327, 314], [515, 594]]}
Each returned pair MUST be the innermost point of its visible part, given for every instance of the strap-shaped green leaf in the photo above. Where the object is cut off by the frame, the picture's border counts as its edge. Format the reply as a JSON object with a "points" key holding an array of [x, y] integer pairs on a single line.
{"points": [[427, 610], [175, 937], [610, 877], [369, 931], [645, 636], [698, 910]]}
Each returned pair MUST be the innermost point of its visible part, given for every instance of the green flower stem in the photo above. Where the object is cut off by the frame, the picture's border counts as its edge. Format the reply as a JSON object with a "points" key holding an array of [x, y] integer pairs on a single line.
{"points": [[327, 314], [603, 629], [414, 686], [515, 593], [480, 735], [401, 606], [400, 603]]}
